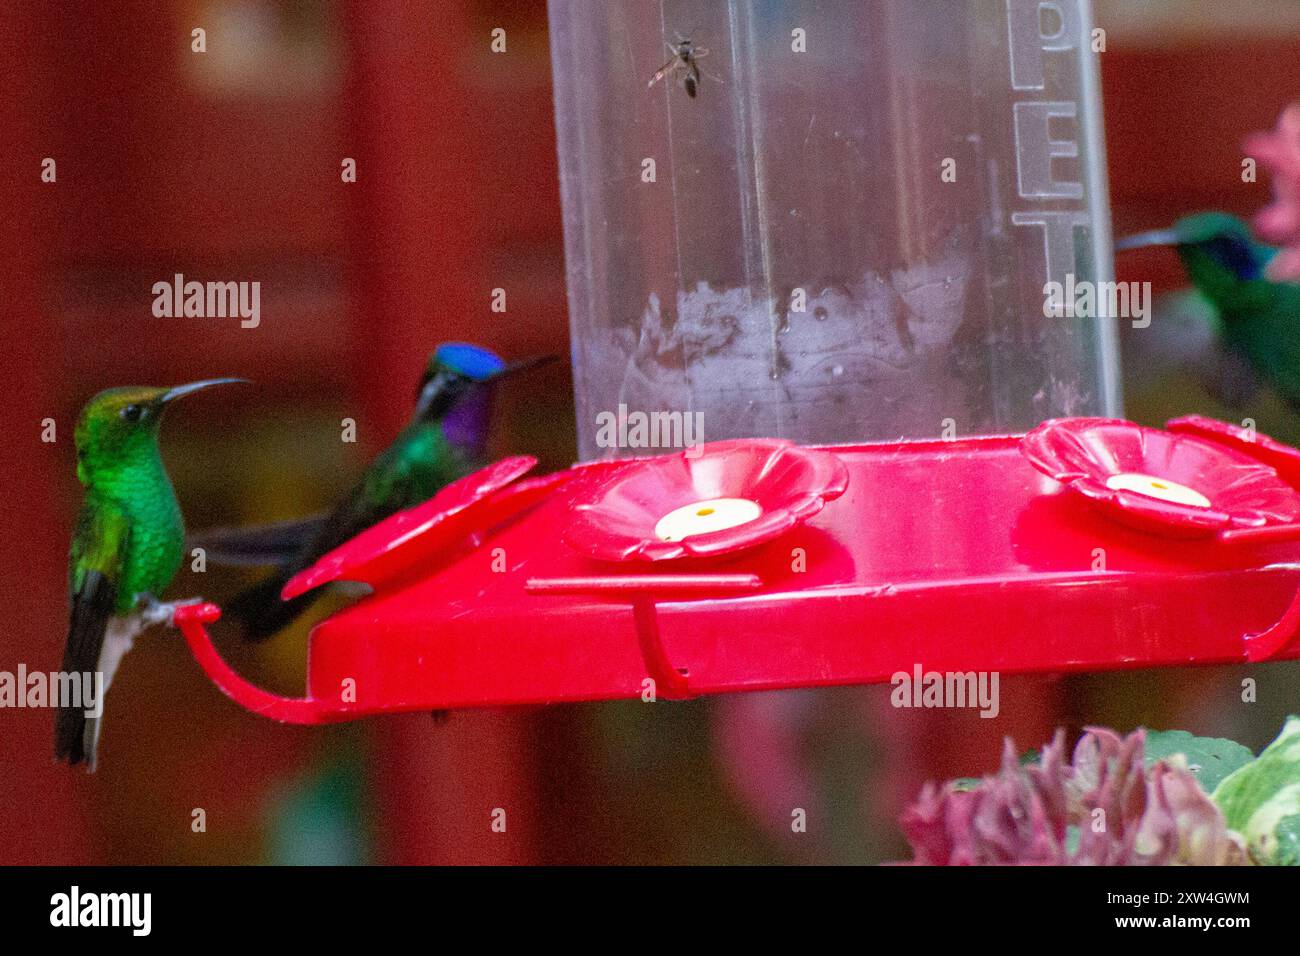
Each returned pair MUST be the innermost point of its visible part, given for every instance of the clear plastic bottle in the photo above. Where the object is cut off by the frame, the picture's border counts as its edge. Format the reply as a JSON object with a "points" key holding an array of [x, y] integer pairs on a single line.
{"points": [[844, 234]]}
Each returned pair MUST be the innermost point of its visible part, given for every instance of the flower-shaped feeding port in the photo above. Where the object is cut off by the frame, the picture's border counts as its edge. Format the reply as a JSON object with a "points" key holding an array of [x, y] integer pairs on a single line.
{"points": [[717, 499], [1178, 484], [464, 508], [1251, 442]]}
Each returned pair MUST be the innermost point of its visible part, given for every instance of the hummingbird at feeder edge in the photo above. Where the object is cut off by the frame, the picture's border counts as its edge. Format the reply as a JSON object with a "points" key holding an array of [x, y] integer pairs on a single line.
{"points": [[445, 439], [127, 546], [1253, 321]]}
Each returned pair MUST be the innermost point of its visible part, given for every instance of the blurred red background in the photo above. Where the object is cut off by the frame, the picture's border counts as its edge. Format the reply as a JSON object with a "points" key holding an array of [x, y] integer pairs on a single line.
{"points": [[227, 165]]}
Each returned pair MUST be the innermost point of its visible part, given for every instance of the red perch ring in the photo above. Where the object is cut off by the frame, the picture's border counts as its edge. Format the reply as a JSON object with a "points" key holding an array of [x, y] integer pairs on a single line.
{"points": [[1174, 484], [712, 500]]}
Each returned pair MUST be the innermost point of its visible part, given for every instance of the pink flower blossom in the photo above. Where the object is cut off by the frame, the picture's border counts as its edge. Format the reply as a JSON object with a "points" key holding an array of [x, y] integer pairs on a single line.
{"points": [[1125, 814], [1279, 222]]}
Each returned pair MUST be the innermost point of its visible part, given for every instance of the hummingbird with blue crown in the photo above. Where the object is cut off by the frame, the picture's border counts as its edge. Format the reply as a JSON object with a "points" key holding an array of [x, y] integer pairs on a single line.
{"points": [[445, 439]]}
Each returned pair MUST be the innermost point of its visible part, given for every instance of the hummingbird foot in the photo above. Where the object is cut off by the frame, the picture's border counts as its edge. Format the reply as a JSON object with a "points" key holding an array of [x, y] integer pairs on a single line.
{"points": [[152, 611]]}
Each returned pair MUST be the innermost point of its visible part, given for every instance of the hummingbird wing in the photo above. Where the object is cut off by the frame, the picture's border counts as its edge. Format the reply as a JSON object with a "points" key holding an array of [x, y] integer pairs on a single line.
{"points": [[1231, 377], [386, 488], [1185, 331], [261, 545], [95, 571], [390, 485], [1266, 330]]}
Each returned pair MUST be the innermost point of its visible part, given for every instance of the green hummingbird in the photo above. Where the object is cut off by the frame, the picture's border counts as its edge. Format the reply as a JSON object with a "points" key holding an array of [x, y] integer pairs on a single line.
{"points": [[1253, 321], [445, 439], [126, 548]]}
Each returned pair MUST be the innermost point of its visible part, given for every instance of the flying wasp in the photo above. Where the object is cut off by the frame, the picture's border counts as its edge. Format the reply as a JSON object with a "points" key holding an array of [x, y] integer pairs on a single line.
{"points": [[685, 61]]}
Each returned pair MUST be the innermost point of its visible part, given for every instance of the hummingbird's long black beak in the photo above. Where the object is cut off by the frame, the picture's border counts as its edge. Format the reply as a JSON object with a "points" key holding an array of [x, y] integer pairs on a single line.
{"points": [[523, 365], [180, 391], [1156, 237], [442, 387]]}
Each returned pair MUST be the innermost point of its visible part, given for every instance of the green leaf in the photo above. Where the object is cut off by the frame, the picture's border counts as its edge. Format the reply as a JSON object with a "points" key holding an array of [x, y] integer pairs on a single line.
{"points": [[963, 784], [1262, 799], [1210, 759], [1288, 841]]}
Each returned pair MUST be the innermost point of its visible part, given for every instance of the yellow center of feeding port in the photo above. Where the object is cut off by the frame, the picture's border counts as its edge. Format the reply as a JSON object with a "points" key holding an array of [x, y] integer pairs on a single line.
{"points": [[1161, 488], [701, 517]]}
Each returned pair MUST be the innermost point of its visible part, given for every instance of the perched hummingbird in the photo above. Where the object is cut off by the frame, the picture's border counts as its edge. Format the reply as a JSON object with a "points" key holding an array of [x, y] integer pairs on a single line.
{"points": [[445, 440], [127, 546], [1254, 320]]}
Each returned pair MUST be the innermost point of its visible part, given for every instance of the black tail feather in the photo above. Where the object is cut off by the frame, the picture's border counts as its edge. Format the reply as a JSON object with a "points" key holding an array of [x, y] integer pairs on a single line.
{"points": [[69, 735], [260, 611], [92, 606], [260, 546]]}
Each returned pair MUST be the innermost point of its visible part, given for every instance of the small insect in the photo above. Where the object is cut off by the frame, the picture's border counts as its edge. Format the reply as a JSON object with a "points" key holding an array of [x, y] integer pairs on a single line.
{"points": [[685, 61]]}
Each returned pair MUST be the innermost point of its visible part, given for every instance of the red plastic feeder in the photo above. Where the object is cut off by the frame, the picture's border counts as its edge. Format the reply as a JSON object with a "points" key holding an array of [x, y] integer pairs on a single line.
{"points": [[711, 500], [1086, 545]]}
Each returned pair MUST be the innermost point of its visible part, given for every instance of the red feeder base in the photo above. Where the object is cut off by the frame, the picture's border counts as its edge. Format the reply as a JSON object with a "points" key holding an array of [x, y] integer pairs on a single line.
{"points": [[955, 556]]}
